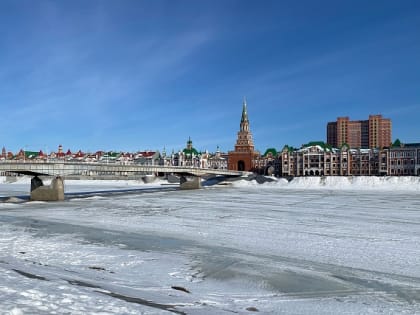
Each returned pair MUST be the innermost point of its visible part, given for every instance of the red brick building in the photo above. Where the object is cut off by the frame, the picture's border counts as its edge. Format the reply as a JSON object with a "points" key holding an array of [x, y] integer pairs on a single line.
{"points": [[244, 157]]}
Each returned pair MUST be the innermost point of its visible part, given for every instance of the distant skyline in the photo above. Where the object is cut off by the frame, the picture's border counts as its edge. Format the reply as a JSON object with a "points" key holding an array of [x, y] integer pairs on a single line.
{"points": [[144, 75]]}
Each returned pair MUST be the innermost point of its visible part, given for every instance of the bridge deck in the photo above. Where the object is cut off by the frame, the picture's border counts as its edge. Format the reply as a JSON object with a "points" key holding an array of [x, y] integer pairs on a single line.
{"points": [[89, 169]]}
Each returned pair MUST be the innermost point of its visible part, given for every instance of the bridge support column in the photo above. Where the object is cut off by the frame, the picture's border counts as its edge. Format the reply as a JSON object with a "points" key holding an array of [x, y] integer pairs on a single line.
{"points": [[53, 192], [190, 183]]}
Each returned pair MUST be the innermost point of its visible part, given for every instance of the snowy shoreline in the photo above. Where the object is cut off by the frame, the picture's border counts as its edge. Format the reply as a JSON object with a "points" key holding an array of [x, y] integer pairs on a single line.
{"points": [[408, 183], [403, 183]]}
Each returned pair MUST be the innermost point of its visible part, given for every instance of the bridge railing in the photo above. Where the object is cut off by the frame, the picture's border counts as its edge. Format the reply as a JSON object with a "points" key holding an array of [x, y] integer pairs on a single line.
{"points": [[85, 168]]}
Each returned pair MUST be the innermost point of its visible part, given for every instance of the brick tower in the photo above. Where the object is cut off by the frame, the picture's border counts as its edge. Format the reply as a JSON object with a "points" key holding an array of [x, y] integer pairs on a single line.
{"points": [[244, 155]]}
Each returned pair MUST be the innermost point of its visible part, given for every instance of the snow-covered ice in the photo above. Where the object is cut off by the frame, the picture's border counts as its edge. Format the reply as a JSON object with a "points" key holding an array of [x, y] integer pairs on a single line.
{"points": [[312, 246]]}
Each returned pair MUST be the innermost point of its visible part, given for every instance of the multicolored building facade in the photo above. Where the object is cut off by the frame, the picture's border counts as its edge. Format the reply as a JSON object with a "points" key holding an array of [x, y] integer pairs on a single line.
{"points": [[320, 159]]}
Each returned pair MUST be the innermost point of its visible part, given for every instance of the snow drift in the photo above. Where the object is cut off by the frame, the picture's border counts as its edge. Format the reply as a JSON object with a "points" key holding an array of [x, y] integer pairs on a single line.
{"points": [[406, 183]]}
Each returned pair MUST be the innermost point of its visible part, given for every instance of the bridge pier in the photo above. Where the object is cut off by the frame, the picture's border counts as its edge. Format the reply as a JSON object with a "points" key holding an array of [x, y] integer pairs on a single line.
{"points": [[190, 183], [53, 192]]}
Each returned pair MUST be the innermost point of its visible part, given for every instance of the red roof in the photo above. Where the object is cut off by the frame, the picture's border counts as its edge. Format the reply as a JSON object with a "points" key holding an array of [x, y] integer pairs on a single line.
{"points": [[80, 154], [147, 153]]}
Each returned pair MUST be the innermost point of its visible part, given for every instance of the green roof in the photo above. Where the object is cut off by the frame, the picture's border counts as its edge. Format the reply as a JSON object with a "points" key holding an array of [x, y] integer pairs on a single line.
{"points": [[288, 148], [31, 154], [344, 145], [112, 154], [270, 150], [190, 151], [322, 144], [397, 143]]}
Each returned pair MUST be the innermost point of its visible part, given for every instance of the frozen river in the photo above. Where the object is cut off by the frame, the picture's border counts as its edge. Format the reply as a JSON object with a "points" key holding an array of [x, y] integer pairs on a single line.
{"points": [[308, 247]]}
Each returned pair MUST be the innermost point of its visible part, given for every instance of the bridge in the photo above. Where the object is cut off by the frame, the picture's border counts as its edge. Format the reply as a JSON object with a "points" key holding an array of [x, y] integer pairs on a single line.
{"points": [[62, 169]]}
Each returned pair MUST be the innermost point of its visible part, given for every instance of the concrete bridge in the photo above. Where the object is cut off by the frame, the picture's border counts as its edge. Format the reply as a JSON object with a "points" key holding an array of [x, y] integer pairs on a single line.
{"points": [[189, 176]]}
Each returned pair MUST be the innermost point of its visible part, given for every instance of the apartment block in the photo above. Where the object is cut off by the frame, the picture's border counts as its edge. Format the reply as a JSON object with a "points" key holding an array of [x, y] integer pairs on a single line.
{"points": [[376, 132]]}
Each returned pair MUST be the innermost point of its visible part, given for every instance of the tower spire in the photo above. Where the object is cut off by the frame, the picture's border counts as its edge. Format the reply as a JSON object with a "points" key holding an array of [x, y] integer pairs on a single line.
{"points": [[244, 112]]}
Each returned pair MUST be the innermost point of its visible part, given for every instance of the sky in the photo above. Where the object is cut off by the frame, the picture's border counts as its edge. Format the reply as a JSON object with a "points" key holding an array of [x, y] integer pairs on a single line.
{"points": [[147, 75]]}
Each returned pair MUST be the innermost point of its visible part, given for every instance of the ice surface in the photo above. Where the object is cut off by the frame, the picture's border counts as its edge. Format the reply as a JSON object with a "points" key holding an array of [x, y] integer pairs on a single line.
{"points": [[311, 246]]}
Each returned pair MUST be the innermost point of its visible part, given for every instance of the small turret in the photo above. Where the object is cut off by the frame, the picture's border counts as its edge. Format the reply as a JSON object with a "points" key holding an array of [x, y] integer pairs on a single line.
{"points": [[189, 144]]}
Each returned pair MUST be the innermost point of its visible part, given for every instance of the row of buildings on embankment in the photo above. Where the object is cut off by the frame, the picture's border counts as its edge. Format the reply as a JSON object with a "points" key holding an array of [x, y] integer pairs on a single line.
{"points": [[320, 159], [365, 148], [361, 147], [189, 156]]}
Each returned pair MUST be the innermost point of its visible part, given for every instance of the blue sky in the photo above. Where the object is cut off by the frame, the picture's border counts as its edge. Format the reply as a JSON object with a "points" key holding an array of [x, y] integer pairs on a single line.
{"points": [[136, 75]]}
